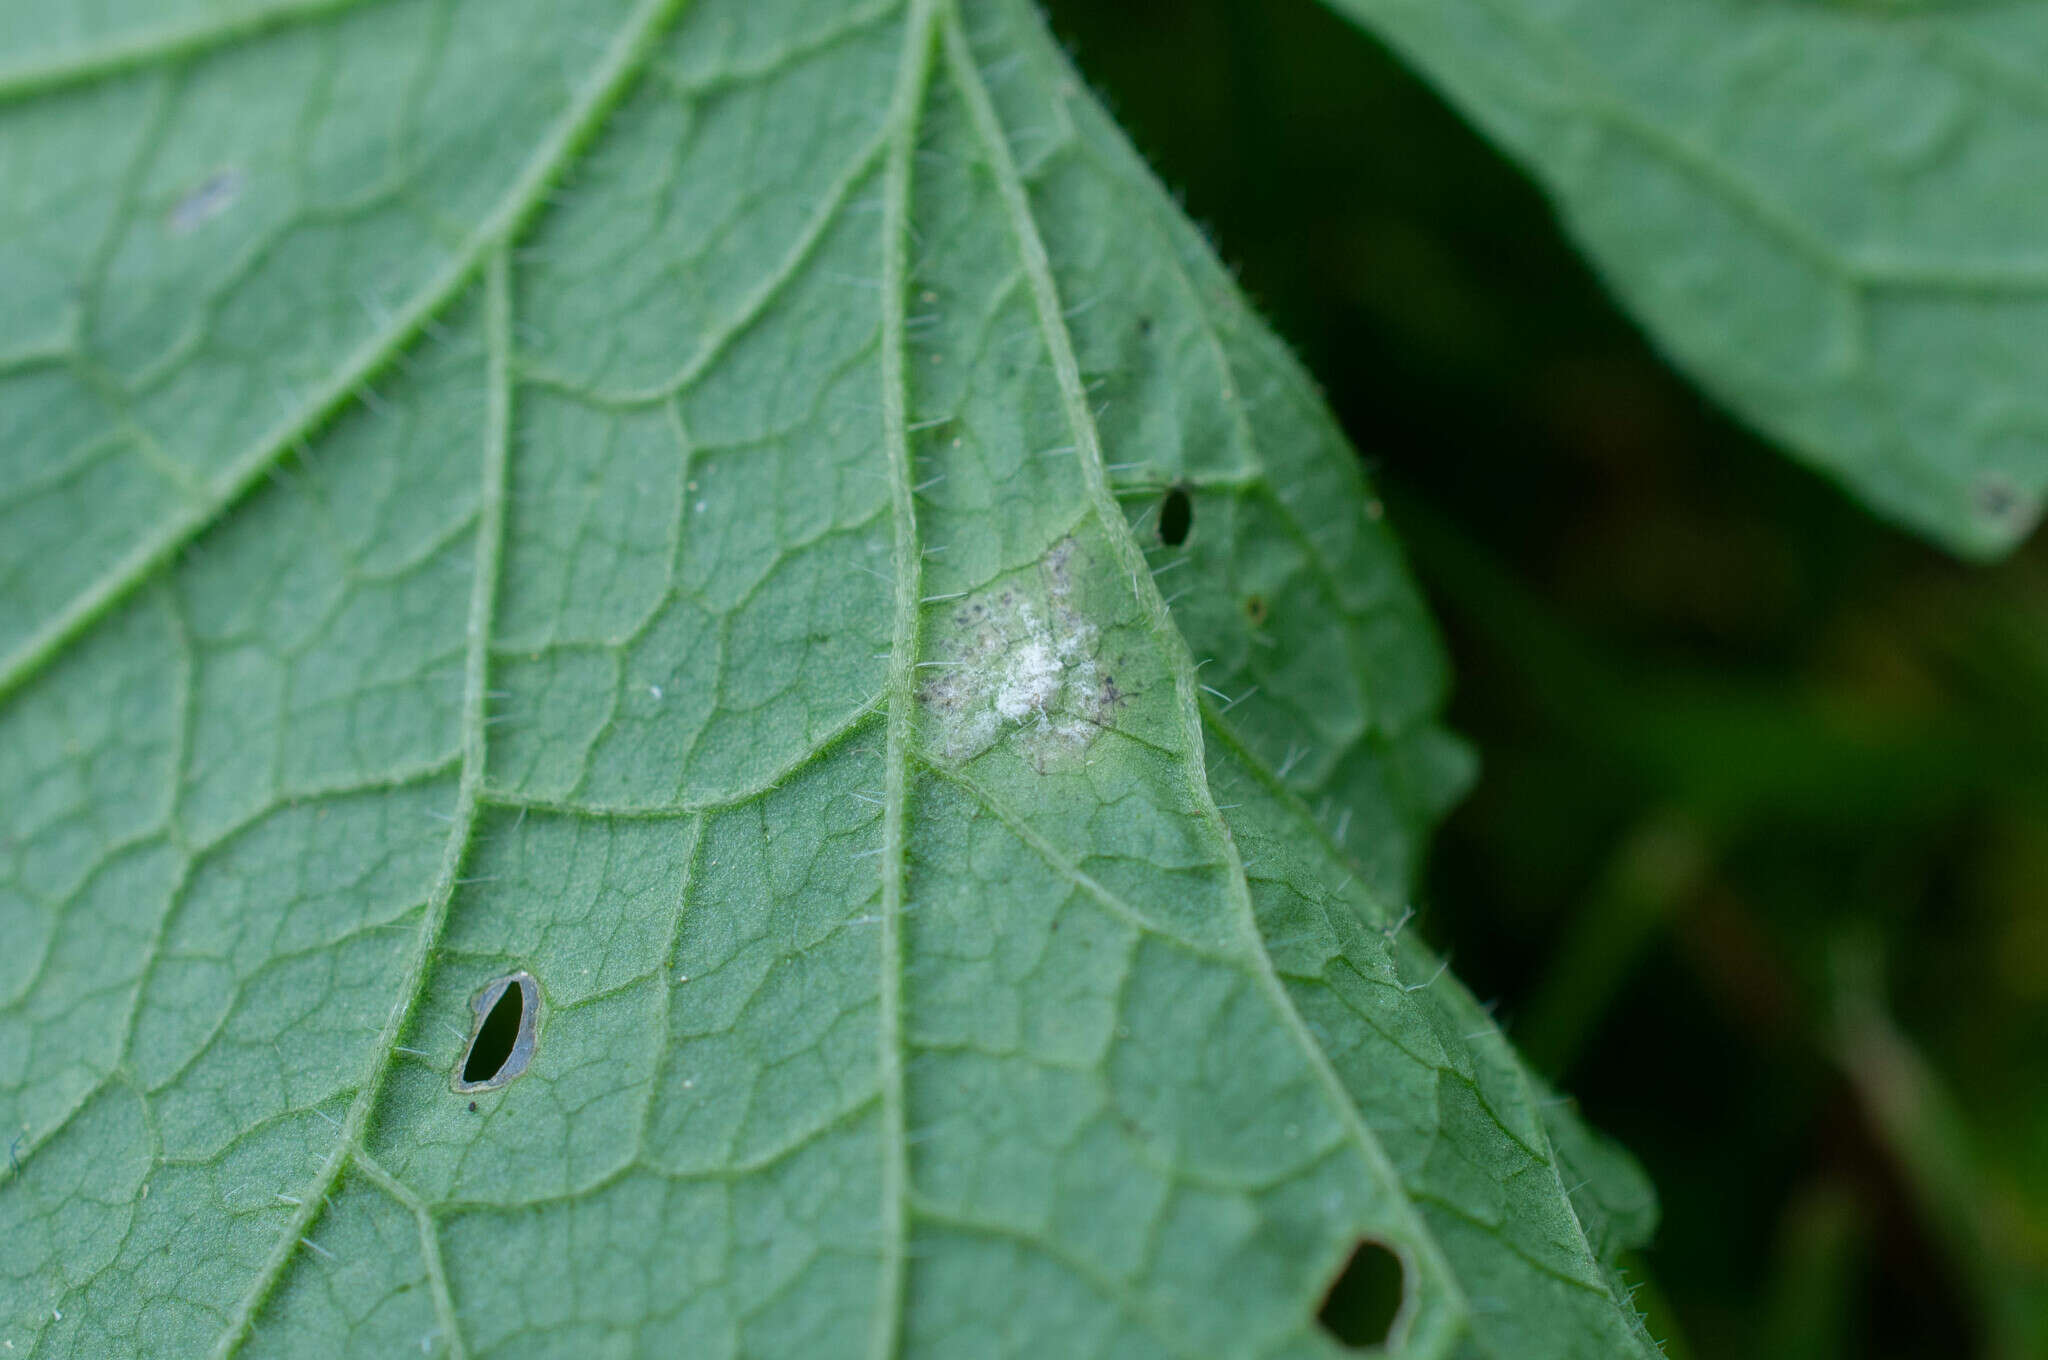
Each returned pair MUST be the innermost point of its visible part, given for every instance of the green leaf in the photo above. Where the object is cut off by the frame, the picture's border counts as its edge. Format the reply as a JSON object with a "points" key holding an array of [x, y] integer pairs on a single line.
{"points": [[1829, 212], [666, 501]]}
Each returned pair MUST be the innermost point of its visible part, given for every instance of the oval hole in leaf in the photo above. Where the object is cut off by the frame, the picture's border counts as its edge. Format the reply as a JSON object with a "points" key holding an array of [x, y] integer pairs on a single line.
{"points": [[502, 1036], [1176, 517], [1364, 1300]]}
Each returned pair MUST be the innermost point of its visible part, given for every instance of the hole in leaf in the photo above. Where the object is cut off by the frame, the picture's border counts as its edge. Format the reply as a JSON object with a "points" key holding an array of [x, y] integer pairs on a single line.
{"points": [[492, 1047], [502, 1038], [1362, 1304], [1176, 517]]}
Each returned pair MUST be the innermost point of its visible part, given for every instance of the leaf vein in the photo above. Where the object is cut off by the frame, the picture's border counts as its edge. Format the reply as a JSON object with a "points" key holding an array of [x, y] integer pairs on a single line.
{"points": [[1059, 343], [586, 111], [906, 106], [483, 598]]}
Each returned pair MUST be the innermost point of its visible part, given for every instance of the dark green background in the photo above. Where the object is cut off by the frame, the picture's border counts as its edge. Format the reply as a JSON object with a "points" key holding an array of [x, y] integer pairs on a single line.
{"points": [[1758, 859]]}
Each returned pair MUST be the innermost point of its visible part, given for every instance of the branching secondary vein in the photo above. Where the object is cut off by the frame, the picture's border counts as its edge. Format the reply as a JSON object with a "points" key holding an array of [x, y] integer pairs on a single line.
{"points": [[167, 42], [483, 598], [621, 62], [1037, 268]]}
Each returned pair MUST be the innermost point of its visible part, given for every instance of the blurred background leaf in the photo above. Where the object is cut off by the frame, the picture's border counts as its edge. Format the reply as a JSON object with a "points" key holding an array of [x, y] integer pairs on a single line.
{"points": [[1827, 212], [1758, 852]]}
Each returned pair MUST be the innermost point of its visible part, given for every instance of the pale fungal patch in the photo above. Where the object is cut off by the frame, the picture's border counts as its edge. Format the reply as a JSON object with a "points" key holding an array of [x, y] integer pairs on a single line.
{"points": [[214, 196], [1019, 658]]}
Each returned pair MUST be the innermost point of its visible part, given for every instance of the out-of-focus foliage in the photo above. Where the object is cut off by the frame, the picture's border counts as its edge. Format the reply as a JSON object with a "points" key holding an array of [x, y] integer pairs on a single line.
{"points": [[1828, 214], [1765, 793]]}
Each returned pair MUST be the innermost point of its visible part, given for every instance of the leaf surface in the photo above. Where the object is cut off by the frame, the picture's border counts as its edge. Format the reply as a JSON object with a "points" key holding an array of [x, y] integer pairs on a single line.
{"points": [[1829, 212], [665, 502]]}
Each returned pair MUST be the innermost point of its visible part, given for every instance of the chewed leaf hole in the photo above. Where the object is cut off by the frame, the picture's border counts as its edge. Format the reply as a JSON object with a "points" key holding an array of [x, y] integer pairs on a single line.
{"points": [[1176, 517], [501, 1038], [1364, 1300], [492, 1048]]}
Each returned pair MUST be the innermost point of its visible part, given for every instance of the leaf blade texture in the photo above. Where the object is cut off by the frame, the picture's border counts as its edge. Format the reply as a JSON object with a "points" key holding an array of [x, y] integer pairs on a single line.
{"points": [[665, 500], [1820, 211]]}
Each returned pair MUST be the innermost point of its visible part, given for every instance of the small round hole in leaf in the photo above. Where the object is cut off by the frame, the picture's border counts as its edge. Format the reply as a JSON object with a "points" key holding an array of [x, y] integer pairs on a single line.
{"points": [[1364, 1300], [1176, 517], [503, 1034]]}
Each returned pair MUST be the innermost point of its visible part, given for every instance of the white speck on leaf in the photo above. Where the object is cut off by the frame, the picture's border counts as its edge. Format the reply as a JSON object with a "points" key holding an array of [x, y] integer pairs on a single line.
{"points": [[214, 196]]}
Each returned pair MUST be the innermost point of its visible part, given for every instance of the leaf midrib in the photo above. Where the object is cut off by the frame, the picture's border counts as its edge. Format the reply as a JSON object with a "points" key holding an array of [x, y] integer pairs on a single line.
{"points": [[906, 107]]}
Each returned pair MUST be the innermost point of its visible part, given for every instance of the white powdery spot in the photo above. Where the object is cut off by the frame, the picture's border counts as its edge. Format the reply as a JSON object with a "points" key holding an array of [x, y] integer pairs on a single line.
{"points": [[214, 196], [1012, 658]]}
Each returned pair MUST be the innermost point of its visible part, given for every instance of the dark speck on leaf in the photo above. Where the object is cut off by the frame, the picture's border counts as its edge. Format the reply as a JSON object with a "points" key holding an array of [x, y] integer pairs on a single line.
{"points": [[1996, 497], [472, 1107]]}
